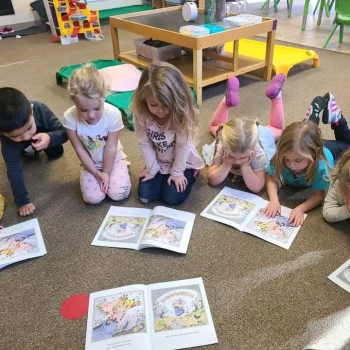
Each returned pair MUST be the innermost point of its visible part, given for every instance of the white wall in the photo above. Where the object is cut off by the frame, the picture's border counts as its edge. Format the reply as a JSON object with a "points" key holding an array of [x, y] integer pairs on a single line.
{"points": [[111, 4], [23, 13]]}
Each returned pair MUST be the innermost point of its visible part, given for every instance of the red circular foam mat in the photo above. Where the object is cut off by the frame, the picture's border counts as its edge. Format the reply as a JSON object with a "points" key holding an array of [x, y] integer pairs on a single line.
{"points": [[75, 307]]}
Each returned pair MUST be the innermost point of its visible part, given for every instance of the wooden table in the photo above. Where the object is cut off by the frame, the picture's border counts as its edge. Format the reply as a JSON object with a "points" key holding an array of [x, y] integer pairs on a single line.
{"points": [[164, 24]]}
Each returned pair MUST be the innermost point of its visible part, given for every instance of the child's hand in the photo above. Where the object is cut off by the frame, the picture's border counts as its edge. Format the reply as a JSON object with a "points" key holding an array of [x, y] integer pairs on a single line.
{"points": [[234, 162], [250, 158], [272, 209], [180, 182], [296, 217], [145, 176], [40, 141], [228, 160], [27, 209], [103, 179]]}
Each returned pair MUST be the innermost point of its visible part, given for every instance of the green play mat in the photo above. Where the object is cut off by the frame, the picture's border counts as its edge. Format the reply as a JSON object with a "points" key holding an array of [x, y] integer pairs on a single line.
{"points": [[123, 10]]}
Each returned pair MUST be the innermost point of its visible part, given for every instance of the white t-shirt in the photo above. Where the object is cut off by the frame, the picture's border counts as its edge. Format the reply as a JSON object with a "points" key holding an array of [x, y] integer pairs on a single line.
{"points": [[94, 137]]}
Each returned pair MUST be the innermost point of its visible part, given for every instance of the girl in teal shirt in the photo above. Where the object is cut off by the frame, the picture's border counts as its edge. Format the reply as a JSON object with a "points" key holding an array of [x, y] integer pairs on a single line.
{"points": [[303, 159]]}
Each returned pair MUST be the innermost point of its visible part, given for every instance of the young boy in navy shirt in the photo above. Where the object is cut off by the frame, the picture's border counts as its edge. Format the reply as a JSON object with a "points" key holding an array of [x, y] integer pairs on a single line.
{"points": [[26, 127]]}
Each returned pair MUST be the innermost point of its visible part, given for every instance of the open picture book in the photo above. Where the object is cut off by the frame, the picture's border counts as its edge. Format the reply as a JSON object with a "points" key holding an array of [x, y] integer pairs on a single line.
{"points": [[341, 276], [138, 228], [161, 316], [20, 242], [243, 211]]}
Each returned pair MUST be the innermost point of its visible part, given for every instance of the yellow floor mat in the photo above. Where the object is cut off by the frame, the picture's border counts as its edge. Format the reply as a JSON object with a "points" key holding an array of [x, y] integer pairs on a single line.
{"points": [[284, 57]]}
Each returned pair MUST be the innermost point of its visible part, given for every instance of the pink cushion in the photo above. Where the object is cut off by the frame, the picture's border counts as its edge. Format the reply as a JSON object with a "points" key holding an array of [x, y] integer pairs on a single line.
{"points": [[124, 77]]}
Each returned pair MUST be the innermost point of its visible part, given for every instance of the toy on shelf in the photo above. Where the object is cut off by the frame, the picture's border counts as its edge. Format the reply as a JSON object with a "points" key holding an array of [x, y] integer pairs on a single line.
{"points": [[73, 17]]}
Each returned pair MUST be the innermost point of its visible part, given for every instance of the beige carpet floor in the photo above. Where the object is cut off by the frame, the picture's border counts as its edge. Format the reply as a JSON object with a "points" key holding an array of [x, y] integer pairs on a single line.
{"points": [[261, 296]]}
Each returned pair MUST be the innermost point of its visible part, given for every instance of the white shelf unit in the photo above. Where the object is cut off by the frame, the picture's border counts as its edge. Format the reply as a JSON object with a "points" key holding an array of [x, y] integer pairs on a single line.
{"points": [[48, 4]]}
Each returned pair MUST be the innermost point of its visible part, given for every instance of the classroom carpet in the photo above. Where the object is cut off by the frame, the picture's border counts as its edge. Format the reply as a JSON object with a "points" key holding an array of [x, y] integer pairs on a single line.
{"points": [[261, 296]]}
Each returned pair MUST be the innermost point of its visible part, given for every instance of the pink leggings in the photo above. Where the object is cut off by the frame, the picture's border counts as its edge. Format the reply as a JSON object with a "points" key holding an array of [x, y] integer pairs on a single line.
{"points": [[276, 124], [118, 189]]}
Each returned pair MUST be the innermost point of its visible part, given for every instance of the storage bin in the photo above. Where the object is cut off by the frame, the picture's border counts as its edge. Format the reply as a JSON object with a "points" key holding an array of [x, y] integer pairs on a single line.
{"points": [[164, 53]]}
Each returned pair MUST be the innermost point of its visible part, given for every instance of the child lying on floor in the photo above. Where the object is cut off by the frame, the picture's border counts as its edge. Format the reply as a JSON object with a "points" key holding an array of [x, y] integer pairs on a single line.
{"points": [[245, 148], [303, 159], [337, 203]]}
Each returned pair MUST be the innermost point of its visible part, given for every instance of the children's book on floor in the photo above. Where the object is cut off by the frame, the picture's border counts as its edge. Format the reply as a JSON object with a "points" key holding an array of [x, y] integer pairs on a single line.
{"points": [[341, 276], [20, 242], [161, 316], [137, 228], [243, 211]]}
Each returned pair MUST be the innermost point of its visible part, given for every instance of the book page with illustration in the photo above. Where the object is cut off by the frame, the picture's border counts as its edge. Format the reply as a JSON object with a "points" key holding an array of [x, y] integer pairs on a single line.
{"points": [[169, 229]]}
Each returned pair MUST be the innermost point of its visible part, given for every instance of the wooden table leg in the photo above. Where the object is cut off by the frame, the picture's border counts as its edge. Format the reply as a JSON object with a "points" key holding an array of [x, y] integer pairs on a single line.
{"points": [[235, 55], [115, 41], [270, 44], [197, 74]]}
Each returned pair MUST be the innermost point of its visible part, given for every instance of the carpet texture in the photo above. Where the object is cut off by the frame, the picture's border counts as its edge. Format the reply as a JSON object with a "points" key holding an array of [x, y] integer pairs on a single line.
{"points": [[261, 296]]}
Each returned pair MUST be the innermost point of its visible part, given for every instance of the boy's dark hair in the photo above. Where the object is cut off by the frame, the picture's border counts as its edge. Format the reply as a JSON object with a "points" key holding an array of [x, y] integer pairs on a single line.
{"points": [[15, 109]]}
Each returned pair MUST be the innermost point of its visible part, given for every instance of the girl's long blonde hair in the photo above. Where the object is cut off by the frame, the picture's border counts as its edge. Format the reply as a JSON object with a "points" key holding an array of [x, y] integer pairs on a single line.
{"points": [[302, 137], [87, 81], [167, 84], [238, 135], [342, 173]]}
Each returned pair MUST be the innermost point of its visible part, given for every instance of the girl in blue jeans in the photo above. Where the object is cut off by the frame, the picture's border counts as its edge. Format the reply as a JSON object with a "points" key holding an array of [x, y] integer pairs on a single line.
{"points": [[165, 125]]}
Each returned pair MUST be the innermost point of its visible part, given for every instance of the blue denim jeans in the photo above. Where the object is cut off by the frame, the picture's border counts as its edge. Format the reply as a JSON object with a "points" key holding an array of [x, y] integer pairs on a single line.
{"points": [[342, 138], [158, 188]]}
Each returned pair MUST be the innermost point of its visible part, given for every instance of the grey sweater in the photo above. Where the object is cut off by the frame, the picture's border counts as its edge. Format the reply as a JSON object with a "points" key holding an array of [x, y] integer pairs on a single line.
{"points": [[334, 208]]}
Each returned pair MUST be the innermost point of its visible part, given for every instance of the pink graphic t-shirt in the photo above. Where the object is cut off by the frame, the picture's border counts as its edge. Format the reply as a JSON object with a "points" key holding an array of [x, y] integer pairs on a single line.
{"points": [[167, 151]]}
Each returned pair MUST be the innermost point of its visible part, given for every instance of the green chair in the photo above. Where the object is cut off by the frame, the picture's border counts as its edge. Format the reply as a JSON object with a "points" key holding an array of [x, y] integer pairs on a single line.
{"points": [[342, 18], [324, 5], [329, 4], [266, 5]]}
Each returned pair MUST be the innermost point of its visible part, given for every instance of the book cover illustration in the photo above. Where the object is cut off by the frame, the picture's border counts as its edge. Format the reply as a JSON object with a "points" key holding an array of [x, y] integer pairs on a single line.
{"points": [[165, 230], [341, 276], [117, 315], [344, 275], [277, 228], [18, 244], [232, 208], [122, 228], [178, 308]]}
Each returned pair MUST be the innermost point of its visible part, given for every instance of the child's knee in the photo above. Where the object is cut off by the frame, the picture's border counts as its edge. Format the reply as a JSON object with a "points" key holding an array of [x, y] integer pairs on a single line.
{"points": [[54, 152], [145, 193], [172, 197], [93, 199], [174, 200], [120, 193]]}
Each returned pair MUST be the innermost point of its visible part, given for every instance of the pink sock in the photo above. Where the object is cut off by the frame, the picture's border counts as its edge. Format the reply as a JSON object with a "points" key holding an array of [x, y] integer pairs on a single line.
{"points": [[220, 116], [276, 124]]}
